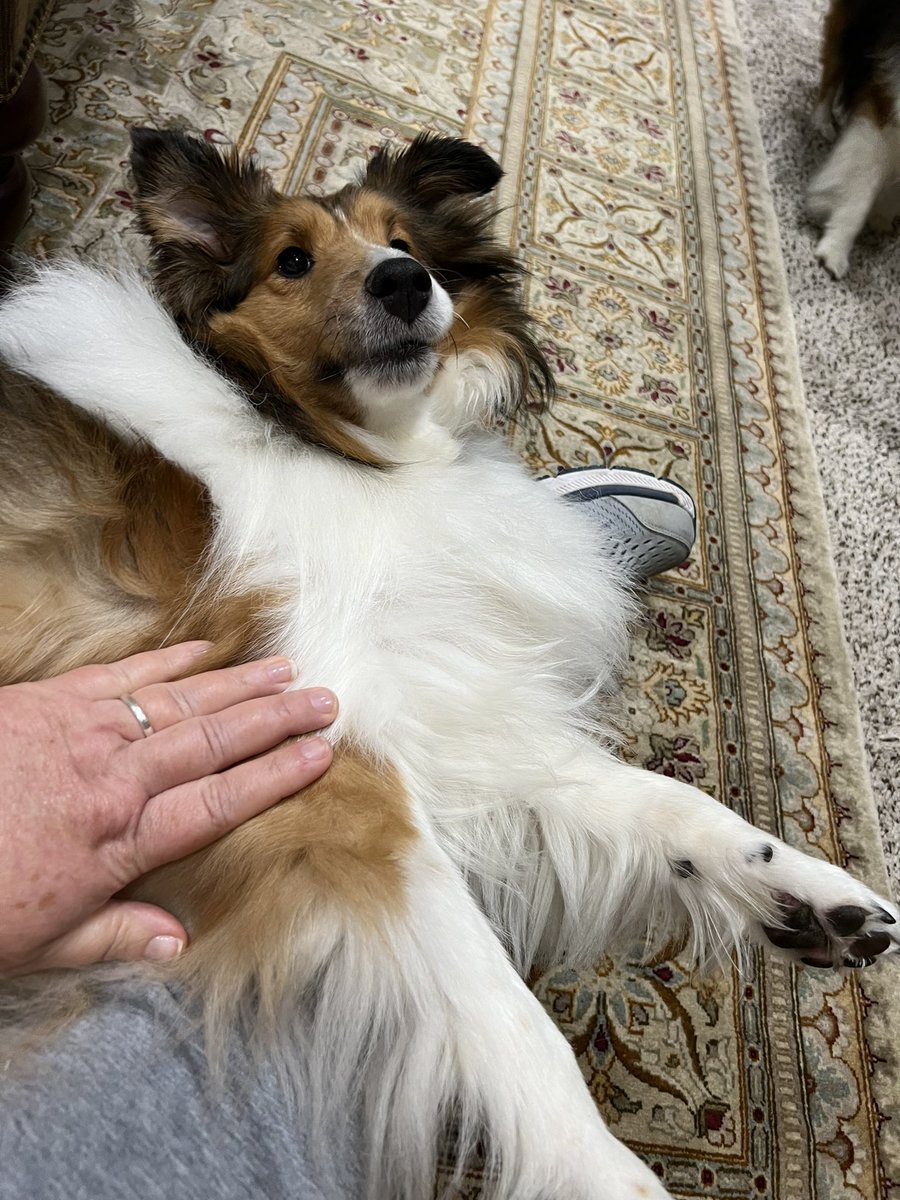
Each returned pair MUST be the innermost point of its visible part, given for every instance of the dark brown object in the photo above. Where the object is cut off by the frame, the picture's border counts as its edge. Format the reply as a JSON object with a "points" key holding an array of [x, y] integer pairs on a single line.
{"points": [[23, 107]]}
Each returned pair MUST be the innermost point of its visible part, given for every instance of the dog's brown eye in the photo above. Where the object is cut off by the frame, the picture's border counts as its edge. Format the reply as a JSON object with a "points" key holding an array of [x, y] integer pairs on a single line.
{"points": [[293, 262], [399, 244]]}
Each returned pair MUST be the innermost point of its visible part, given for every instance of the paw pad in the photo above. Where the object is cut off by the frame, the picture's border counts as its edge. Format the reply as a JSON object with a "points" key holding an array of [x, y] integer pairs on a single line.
{"points": [[846, 919], [871, 946], [843, 935], [800, 929]]}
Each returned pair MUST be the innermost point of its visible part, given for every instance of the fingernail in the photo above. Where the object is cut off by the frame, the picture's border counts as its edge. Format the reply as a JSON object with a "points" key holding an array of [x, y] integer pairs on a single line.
{"points": [[163, 949], [314, 749], [281, 670], [322, 701]]}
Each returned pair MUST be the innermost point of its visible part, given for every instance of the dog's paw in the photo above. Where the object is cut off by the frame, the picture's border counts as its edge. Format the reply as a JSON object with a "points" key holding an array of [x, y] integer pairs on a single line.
{"points": [[826, 918], [834, 256]]}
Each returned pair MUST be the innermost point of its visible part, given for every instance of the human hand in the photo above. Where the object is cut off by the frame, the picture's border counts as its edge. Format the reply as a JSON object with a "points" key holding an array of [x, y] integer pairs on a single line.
{"points": [[88, 803]]}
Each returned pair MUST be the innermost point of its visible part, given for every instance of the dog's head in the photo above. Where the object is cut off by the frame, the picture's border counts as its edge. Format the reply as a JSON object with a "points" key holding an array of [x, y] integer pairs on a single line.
{"points": [[345, 312]]}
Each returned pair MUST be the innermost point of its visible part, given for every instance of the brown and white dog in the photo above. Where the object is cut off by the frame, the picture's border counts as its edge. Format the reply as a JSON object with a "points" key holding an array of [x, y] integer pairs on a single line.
{"points": [[859, 93], [283, 448]]}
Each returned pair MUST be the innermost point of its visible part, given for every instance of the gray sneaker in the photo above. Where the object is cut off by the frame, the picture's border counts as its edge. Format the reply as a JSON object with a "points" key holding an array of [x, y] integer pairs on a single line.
{"points": [[650, 522]]}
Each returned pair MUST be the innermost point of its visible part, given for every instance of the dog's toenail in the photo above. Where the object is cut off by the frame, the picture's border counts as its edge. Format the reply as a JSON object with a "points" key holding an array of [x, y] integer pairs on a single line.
{"points": [[868, 947], [684, 868], [885, 916], [846, 918]]}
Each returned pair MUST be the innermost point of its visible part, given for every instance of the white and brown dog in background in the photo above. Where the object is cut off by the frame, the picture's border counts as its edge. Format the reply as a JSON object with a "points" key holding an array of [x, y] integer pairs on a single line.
{"points": [[859, 95]]}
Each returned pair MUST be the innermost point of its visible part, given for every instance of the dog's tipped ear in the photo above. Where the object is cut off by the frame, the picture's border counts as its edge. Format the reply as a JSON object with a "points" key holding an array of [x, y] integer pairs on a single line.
{"points": [[190, 195], [433, 168]]}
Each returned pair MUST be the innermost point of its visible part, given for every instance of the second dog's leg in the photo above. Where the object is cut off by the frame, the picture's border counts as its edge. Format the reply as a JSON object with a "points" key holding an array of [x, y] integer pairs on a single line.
{"points": [[844, 190]]}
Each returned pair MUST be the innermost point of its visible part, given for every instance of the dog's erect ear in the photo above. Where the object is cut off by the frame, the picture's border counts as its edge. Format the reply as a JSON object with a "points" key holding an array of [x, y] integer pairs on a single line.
{"points": [[203, 213], [433, 168], [190, 195]]}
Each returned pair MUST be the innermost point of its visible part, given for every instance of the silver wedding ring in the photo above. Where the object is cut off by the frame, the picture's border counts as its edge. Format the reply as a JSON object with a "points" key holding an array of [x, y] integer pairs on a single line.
{"points": [[138, 713]]}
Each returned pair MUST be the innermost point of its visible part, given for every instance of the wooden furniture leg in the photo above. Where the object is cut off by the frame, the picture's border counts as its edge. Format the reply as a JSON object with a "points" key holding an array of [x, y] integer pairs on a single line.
{"points": [[21, 120]]}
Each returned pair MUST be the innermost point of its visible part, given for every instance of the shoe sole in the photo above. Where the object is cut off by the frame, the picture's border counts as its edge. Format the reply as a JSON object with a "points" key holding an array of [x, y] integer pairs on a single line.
{"points": [[588, 483]]}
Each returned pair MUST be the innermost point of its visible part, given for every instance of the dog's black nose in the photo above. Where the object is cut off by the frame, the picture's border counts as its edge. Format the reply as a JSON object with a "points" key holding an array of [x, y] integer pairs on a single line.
{"points": [[402, 286]]}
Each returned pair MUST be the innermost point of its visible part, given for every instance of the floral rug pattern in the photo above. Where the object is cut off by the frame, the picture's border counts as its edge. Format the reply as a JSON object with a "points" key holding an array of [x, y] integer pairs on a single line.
{"points": [[636, 195]]}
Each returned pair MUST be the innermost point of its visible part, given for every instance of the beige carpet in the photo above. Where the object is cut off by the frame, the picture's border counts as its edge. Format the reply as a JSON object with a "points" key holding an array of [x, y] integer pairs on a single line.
{"points": [[636, 193]]}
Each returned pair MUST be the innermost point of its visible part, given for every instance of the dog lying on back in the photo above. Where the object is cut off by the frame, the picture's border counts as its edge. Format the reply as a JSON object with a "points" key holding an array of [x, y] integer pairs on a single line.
{"points": [[859, 92], [284, 449]]}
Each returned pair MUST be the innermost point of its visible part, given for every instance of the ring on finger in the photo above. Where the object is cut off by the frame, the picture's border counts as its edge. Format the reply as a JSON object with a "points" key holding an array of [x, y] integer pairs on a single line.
{"points": [[138, 713]]}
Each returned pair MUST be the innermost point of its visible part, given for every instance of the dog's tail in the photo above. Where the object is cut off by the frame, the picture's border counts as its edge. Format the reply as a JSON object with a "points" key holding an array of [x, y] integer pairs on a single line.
{"points": [[339, 938]]}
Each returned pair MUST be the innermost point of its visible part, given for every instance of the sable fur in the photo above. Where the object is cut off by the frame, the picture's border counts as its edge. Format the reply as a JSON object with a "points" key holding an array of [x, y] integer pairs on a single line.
{"points": [[216, 224], [103, 546], [860, 58]]}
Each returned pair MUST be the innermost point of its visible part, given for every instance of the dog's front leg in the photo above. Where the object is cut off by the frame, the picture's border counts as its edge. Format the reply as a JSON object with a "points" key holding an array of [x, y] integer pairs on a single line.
{"points": [[107, 346], [632, 846], [845, 188]]}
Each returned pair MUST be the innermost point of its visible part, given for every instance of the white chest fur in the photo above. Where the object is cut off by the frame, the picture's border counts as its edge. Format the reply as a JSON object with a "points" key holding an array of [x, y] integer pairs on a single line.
{"points": [[443, 601]]}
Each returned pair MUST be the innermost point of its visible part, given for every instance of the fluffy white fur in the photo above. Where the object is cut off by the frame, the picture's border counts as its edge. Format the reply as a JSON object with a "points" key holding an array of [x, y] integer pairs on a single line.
{"points": [[467, 621]]}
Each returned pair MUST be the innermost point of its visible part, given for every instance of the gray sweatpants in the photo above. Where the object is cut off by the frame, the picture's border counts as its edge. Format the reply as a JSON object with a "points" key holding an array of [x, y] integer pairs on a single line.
{"points": [[117, 1109]]}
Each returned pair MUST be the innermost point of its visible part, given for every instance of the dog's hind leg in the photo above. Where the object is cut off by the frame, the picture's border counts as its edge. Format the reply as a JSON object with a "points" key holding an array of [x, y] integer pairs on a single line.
{"points": [[506, 1067], [843, 191]]}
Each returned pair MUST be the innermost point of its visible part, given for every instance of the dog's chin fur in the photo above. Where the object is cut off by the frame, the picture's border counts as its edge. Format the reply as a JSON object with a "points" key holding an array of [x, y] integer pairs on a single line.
{"points": [[859, 97], [363, 935]]}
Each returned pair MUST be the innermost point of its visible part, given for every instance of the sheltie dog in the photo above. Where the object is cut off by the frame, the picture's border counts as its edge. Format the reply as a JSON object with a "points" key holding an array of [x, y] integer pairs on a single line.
{"points": [[282, 446], [859, 93]]}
